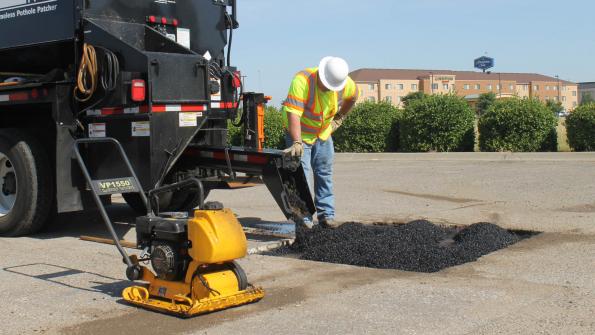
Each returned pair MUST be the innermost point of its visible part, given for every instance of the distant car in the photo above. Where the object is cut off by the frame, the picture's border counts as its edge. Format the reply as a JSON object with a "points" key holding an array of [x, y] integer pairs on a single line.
{"points": [[563, 114]]}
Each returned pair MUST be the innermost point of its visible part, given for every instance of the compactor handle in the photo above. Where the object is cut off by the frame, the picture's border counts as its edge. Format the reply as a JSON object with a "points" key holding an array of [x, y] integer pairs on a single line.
{"points": [[174, 187], [133, 269]]}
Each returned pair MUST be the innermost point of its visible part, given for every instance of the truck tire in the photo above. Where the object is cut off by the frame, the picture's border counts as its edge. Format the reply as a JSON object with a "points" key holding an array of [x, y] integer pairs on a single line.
{"points": [[26, 184]]}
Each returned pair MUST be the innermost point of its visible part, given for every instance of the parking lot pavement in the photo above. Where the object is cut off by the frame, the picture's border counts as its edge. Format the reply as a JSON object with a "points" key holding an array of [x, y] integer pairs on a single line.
{"points": [[551, 192], [54, 283]]}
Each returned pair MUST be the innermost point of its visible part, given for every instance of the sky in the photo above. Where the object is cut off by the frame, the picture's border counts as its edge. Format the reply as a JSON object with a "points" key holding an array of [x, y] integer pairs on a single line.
{"points": [[278, 38]]}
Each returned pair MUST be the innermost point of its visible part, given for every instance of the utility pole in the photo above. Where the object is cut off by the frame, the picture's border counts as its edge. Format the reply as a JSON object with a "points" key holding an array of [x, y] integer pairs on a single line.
{"points": [[432, 81], [559, 88], [499, 85]]}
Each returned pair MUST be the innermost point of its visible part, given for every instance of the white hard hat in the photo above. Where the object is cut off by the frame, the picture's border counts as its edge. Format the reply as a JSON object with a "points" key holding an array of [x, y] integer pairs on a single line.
{"points": [[333, 72]]}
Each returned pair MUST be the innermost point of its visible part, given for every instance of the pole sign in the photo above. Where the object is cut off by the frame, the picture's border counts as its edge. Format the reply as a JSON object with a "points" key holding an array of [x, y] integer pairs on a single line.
{"points": [[484, 63]]}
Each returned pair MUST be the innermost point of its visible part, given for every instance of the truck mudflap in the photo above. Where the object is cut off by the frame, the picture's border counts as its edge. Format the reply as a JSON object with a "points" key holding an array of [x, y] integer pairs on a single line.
{"points": [[283, 176]]}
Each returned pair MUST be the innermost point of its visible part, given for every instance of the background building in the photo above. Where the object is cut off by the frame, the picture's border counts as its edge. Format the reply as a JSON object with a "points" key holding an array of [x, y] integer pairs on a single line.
{"points": [[393, 84], [585, 89]]}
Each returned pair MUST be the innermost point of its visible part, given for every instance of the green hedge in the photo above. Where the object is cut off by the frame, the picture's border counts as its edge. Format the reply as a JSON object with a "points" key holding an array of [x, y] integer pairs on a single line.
{"points": [[516, 124], [234, 134], [437, 123], [370, 127], [580, 125], [274, 134]]}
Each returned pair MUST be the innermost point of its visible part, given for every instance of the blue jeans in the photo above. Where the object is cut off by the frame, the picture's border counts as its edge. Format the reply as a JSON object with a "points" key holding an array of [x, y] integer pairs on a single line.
{"points": [[318, 160]]}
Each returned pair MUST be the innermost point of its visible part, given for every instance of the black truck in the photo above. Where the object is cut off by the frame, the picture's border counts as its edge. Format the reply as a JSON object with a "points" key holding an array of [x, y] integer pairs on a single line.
{"points": [[156, 76]]}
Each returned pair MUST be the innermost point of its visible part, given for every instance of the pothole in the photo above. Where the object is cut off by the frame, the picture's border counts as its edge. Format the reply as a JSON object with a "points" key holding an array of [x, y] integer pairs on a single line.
{"points": [[418, 246]]}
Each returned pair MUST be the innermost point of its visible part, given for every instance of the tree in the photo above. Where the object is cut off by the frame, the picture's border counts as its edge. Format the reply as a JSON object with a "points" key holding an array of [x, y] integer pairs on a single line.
{"points": [[412, 96], [586, 98], [555, 106], [484, 102]]}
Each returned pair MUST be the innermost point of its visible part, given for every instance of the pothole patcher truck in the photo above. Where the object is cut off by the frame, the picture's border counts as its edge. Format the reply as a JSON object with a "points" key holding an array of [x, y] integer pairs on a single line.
{"points": [[134, 97]]}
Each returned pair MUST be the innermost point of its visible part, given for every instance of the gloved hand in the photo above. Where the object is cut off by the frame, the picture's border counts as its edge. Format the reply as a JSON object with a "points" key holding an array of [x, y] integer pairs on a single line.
{"points": [[336, 123], [295, 150]]}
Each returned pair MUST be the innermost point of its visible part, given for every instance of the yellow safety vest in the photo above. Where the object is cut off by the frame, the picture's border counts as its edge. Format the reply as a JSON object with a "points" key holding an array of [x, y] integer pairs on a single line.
{"points": [[315, 108]]}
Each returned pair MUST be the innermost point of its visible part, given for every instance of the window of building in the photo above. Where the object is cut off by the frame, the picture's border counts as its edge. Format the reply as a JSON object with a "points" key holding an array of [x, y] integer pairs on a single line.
{"points": [[400, 86], [477, 86], [452, 87], [498, 87], [371, 99], [574, 104], [445, 87], [371, 86], [535, 87], [466, 87], [388, 86], [434, 86], [574, 93], [511, 87], [399, 99], [414, 87], [547, 87], [525, 87], [489, 87], [556, 99], [555, 88], [564, 99], [388, 99], [564, 88]]}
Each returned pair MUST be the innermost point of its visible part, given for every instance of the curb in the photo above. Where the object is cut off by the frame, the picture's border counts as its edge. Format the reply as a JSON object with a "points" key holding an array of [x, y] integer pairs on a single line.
{"points": [[270, 246]]}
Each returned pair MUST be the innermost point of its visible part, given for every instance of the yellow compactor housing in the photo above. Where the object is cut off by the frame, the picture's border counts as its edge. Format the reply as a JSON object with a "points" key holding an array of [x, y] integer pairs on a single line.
{"points": [[211, 281], [220, 237]]}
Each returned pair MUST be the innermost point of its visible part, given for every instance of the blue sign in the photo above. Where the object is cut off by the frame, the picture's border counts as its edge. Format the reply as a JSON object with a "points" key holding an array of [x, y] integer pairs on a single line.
{"points": [[484, 63]]}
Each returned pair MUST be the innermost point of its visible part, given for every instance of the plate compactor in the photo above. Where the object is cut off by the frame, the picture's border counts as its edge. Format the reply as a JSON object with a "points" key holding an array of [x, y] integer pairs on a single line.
{"points": [[194, 263], [193, 256]]}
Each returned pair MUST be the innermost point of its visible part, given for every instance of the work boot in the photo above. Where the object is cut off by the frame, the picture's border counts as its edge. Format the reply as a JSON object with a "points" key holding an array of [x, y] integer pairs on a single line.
{"points": [[329, 223]]}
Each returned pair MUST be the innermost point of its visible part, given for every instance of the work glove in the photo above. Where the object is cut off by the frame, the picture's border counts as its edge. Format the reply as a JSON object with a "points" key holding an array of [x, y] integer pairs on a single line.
{"points": [[295, 150], [336, 123]]}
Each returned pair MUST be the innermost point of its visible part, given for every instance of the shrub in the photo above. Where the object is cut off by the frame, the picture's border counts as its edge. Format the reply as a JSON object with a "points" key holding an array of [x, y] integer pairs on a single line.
{"points": [[485, 101], [370, 127], [586, 98], [274, 134], [437, 123], [580, 125], [412, 96], [555, 106], [234, 134], [516, 124]]}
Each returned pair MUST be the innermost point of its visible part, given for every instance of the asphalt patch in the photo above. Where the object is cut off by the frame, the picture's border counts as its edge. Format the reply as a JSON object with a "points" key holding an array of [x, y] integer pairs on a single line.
{"points": [[418, 246]]}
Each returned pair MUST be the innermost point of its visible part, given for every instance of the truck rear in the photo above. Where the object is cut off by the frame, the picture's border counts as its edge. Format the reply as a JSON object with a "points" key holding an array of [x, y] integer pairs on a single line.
{"points": [[156, 76]]}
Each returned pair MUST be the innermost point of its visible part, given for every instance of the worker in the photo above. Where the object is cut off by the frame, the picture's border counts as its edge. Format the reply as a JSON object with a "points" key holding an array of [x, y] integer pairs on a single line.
{"points": [[319, 99]]}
